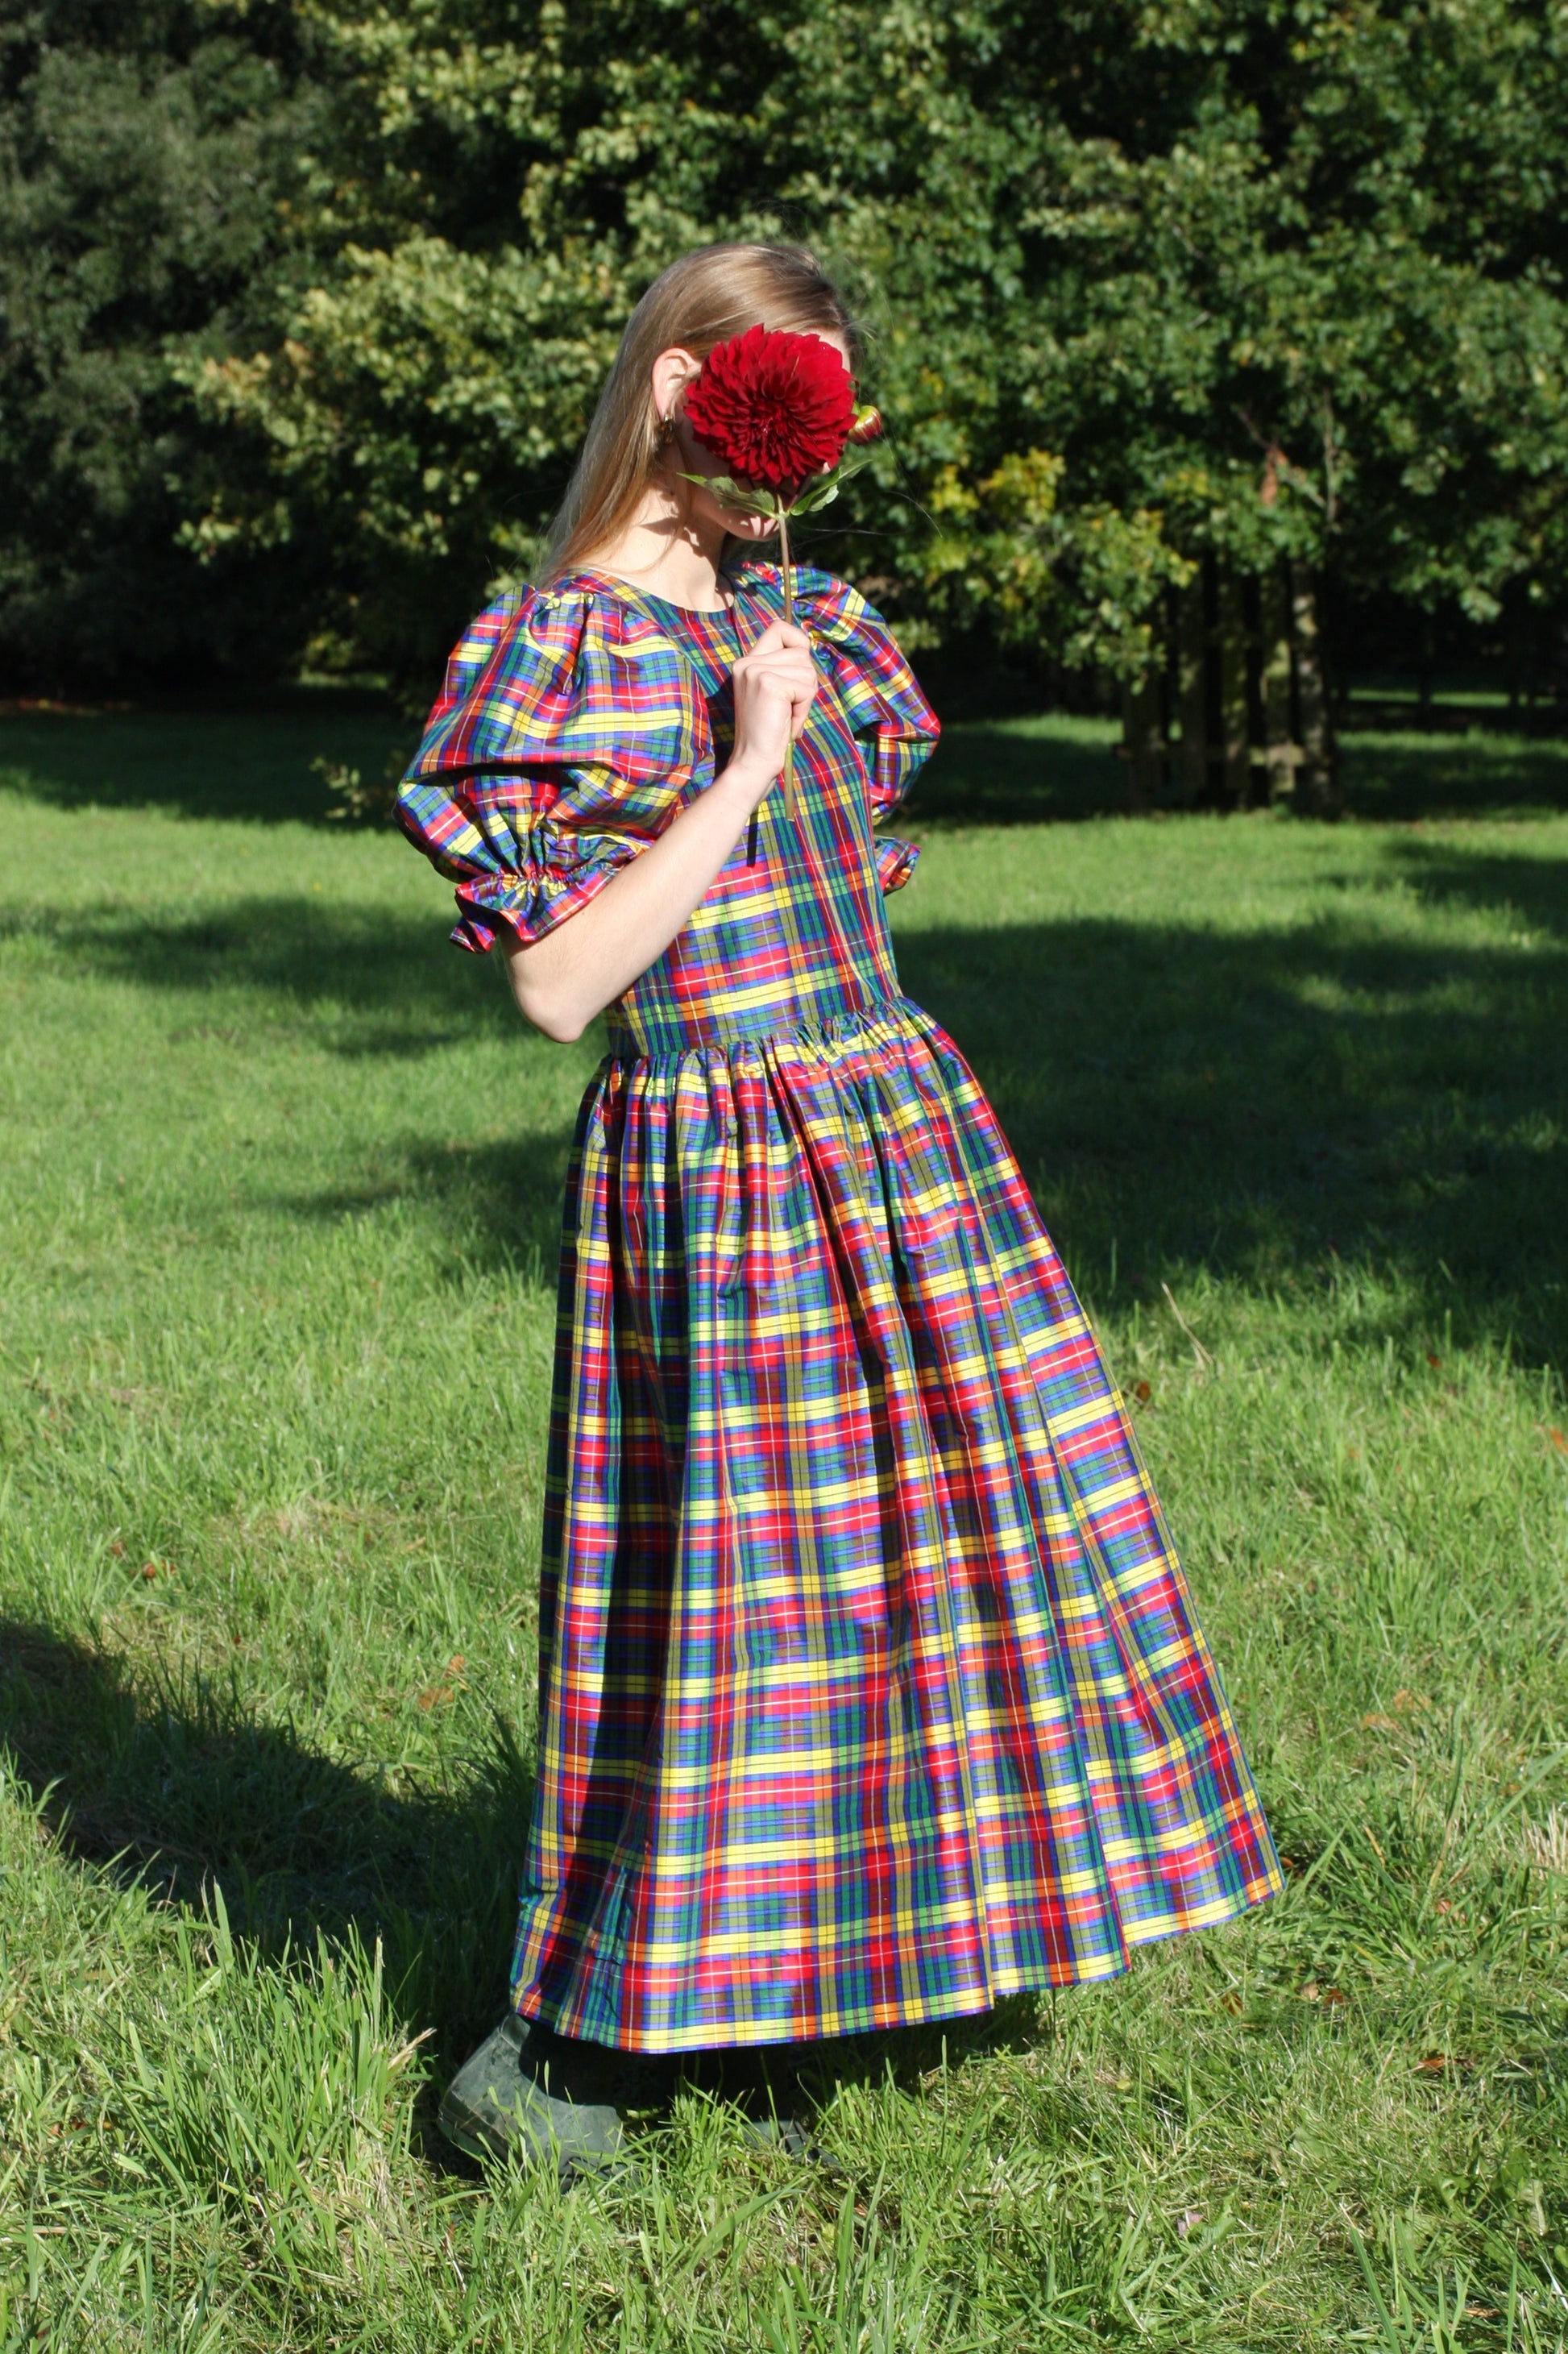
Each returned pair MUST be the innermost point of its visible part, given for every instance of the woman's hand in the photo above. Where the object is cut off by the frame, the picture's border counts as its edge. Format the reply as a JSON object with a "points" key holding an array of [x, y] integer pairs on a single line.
{"points": [[774, 687], [561, 981]]}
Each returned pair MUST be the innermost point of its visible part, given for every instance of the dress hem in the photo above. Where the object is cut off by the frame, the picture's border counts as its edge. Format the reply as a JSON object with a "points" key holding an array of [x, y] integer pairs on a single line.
{"points": [[766, 2032]]}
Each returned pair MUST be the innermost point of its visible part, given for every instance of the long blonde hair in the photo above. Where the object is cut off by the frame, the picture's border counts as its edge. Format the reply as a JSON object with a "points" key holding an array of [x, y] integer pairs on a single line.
{"points": [[700, 300]]}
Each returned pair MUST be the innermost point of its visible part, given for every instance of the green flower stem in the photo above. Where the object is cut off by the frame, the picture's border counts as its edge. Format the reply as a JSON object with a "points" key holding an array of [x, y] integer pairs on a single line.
{"points": [[788, 616], [819, 491]]}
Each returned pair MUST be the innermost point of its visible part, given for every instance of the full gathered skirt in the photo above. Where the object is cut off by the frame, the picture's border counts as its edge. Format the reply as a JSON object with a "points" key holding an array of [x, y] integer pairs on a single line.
{"points": [[871, 1689]]}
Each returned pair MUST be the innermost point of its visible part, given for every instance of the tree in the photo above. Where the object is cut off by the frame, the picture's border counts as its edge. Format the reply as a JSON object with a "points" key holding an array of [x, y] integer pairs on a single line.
{"points": [[144, 153], [1151, 283], [1318, 315]]}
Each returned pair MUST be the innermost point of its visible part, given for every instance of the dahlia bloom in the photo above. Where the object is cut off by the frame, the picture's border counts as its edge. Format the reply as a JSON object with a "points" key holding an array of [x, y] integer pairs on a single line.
{"points": [[778, 410]]}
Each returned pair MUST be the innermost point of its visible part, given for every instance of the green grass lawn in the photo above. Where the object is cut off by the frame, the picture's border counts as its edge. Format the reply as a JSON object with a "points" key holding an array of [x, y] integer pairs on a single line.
{"points": [[1018, 770], [279, 1187]]}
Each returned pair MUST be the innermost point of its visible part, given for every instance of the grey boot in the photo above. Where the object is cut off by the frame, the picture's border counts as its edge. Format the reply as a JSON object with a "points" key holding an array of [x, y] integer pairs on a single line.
{"points": [[530, 2092]]}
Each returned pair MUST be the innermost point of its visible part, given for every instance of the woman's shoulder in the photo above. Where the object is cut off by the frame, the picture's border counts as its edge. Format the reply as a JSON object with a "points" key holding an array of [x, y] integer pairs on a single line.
{"points": [[595, 604], [821, 595], [536, 636], [835, 611], [529, 676], [871, 669], [563, 610]]}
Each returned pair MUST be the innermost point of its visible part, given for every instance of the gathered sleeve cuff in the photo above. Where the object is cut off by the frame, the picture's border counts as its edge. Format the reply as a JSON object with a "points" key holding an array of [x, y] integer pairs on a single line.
{"points": [[515, 865], [895, 861], [563, 743]]}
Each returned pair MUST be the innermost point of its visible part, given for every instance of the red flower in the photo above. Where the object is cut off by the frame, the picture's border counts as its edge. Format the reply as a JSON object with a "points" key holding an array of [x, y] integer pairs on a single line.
{"points": [[775, 408]]}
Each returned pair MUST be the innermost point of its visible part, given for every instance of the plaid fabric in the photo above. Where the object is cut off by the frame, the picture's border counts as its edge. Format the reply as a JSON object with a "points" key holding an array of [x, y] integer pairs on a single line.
{"points": [[871, 1688], [572, 727]]}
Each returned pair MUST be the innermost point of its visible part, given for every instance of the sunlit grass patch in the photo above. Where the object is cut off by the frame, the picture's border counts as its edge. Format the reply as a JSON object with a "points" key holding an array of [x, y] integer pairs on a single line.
{"points": [[278, 1197]]}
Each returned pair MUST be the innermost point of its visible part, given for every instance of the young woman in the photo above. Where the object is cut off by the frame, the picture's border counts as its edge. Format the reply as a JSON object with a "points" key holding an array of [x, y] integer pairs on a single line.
{"points": [[870, 1690]]}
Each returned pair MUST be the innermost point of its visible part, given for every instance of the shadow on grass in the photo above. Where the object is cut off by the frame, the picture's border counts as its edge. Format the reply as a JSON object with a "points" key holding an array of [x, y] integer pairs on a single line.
{"points": [[174, 1785], [502, 1202], [1011, 768], [1403, 774], [173, 1781], [214, 761], [1026, 772], [1271, 1105], [1281, 1106], [362, 985], [1021, 771], [395, 985], [1445, 873]]}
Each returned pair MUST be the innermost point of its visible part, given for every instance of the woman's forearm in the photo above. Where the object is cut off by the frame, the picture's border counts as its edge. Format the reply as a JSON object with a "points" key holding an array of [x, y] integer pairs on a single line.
{"points": [[561, 981]]}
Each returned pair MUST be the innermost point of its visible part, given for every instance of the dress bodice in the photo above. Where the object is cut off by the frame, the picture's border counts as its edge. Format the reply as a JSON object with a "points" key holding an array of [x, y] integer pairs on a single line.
{"points": [[578, 720], [791, 935]]}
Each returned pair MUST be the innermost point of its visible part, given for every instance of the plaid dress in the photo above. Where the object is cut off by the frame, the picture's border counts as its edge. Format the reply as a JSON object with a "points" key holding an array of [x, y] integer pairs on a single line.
{"points": [[871, 1688]]}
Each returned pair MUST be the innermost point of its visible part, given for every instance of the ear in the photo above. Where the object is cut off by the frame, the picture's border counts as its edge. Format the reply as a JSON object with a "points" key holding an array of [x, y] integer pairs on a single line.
{"points": [[672, 371]]}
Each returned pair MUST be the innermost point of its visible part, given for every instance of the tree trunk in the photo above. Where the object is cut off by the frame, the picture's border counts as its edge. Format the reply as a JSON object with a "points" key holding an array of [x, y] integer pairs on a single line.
{"points": [[1143, 740], [1316, 786], [1273, 599], [1236, 752], [1191, 689], [1513, 656], [1560, 668], [1424, 674]]}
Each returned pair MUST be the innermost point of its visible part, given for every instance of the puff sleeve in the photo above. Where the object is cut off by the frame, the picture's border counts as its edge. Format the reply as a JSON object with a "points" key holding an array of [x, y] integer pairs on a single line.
{"points": [[880, 697], [564, 738]]}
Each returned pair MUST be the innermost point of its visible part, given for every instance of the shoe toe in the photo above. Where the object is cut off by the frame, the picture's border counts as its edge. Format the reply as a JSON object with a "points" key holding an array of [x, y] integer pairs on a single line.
{"points": [[498, 2104]]}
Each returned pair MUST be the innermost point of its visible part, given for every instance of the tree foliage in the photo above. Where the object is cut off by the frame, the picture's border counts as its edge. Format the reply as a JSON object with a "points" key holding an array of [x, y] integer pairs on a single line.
{"points": [[145, 155], [307, 302]]}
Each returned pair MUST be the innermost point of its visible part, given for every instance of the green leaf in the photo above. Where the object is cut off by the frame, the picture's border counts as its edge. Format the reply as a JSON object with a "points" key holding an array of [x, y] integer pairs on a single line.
{"points": [[753, 500]]}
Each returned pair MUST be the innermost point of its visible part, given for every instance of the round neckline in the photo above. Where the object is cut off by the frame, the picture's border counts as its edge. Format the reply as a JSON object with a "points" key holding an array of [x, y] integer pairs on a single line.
{"points": [[670, 605]]}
